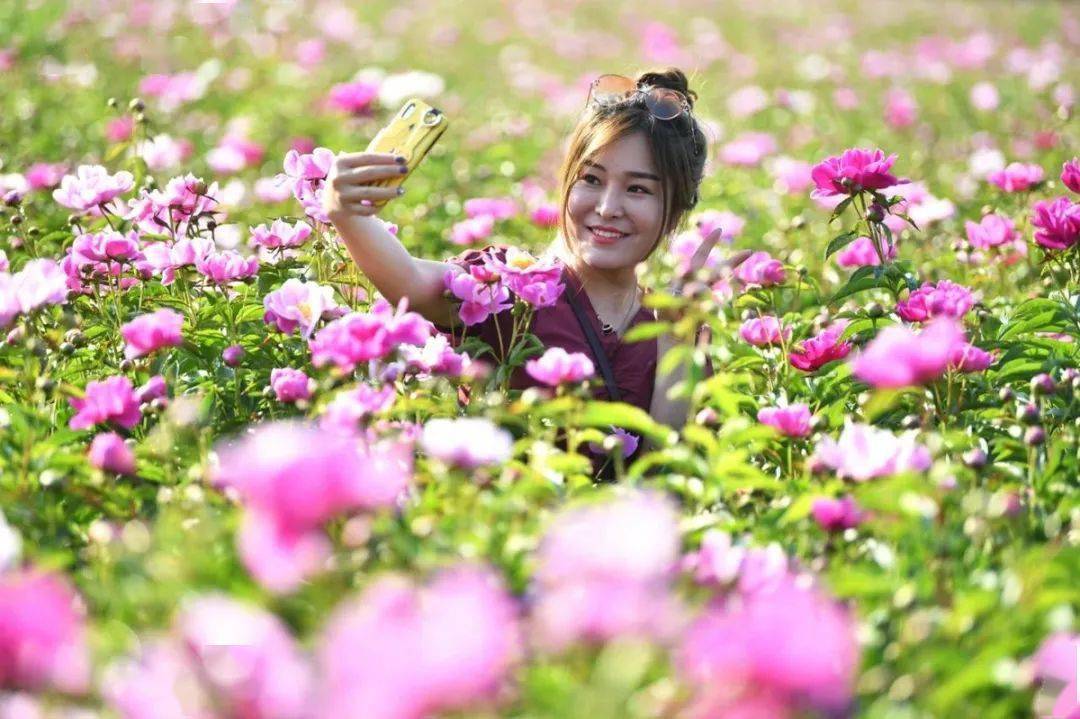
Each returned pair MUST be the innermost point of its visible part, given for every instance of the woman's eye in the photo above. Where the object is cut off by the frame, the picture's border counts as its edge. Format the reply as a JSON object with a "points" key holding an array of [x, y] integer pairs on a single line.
{"points": [[587, 177], [642, 188]]}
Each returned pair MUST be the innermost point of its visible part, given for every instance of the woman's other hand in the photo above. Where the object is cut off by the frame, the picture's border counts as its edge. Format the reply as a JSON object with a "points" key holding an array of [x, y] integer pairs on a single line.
{"points": [[349, 189]]}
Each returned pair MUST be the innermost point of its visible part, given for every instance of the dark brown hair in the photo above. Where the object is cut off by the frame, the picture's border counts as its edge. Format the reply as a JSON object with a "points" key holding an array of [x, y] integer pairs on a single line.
{"points": [[678, 147]]}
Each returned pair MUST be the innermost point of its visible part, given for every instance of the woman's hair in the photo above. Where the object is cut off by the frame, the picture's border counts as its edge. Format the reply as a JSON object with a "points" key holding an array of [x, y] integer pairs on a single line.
{"points": [[678, 146]]}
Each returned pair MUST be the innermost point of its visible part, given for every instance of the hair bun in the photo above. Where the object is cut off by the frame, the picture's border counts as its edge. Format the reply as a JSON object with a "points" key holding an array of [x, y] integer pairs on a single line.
{"points": [[671, 78]]}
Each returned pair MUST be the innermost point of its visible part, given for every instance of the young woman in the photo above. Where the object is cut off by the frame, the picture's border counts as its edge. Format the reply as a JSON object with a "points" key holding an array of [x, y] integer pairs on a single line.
{"points": [[631, 173]]}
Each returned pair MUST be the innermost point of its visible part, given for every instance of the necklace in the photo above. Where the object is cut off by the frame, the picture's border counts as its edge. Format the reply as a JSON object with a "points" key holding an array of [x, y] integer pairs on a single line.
{"points": [[606, 327]]}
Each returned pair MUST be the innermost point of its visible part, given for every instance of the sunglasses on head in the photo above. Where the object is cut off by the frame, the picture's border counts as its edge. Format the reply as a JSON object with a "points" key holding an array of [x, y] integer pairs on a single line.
{"points": [[663, 103]]}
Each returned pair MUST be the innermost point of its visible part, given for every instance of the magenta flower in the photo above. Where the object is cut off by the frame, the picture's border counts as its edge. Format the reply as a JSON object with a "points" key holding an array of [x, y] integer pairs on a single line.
{"points": [[466, 442], [472, 230], [221, 268], [299, 304], [290, 385], [605, 570], [813, 353], [720, 562], [545, 215], [557, 366], [232, 355], [836, 515], [775, 653], [109, 400], [109, 454], [150, 332], [358, 337], [991, 231], [403, 652], [537, 282], [172, 91], [760, 269], [165, 259], [307, 172], [498, 208], [764, 331], [901, 109], [1016, 177], [91, 186], [1055, 666], [482, 291], [119, 129], [348, 409], [280, 234], [748, 149], [945, 299], [1070, 175], [898, 357], [233, 154], [172, 209], [436, 356], [42, 634], [969, 358], [292, 478], [790, 421], [153, 388], [106, 246], [792, 176], [861, 253], [40, 282], [1057, 223], [855, 170], [729, 224], [45, 175], [865, 452], [355, 98]]}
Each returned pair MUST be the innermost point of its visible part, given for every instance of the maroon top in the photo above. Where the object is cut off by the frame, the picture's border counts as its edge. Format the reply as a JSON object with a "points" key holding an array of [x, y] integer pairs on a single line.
{"points": [[632, 363]]}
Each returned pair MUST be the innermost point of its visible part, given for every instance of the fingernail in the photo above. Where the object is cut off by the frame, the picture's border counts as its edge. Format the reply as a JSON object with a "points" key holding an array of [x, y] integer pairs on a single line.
{"points": [[400, 160], [403, 169]]}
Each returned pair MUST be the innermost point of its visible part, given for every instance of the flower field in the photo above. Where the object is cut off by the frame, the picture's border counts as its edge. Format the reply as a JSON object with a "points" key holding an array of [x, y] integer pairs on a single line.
{"points": [[235, 482]]}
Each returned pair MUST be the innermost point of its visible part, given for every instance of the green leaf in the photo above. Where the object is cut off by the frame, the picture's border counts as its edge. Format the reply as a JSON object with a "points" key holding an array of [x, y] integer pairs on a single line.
{"points": [[646, 331], [839, 210], [606, 414], [840, 242]]}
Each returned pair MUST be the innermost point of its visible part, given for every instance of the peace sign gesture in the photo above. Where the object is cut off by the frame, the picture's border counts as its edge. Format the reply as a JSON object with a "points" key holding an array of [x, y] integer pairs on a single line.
{"points": [[701, 256]]}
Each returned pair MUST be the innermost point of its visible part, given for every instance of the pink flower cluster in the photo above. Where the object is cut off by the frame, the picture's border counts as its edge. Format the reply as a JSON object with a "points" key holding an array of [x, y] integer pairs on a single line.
{"points": [[403, 652], [472, 230], [992, 231], [861, 253], [605, 570], [813, 353], [482, 290], [355, 98], [361, 336], [1070, 175], [945, 299], [173, 209], [91, 187], [300, 304], [109, 453], [899, 357], [436, 356], [557, 366], [761, 270], [1057, 223], [721, 563], [748, 149], [466, 442], [852, 171], [292, 478], [226, 266], [790, 420], [865, 452], [150, 332], [42, 633], [497, 208], [836, 515], [280, 235], [234, 153], [1017, 177], [536, 281], [172, 91], [164, 258], [222, 657], [109, 400], [290, 385], [344, 413], [307, 172], [764, 331], [39, 283]]}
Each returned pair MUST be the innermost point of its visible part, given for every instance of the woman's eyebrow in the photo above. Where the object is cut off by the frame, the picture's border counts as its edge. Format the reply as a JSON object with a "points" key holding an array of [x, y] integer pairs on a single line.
{"points": [[643, 175]]}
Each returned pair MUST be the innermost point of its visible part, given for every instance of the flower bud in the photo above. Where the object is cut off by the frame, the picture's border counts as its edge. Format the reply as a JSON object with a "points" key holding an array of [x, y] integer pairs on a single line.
{"points": [[912, 421], [1034, 436], [126, 365], [136, 105], [199, 188], [112, 103], [974, 458], [1006, 394], [45, 384], [1043, 384], [67, 349], [875, 213], [233, 355], [706, 417], [874, 310], [1028, 414], [16, 219]]}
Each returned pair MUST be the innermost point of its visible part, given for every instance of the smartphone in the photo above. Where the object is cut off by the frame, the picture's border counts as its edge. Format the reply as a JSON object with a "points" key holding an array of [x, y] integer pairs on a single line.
{"points": [[414, 130]]}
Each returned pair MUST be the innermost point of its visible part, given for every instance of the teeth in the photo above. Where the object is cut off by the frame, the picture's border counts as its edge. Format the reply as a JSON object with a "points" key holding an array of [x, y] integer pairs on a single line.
{"points": [[604, 233]]}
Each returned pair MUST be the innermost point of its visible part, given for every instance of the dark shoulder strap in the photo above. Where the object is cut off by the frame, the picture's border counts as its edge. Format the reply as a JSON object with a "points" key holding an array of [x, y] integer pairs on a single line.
{"points": [[597, 348]]}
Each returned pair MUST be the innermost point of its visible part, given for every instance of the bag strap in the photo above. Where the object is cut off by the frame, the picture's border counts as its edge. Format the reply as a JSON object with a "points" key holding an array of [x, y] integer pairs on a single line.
{"points": [[597, 348]]}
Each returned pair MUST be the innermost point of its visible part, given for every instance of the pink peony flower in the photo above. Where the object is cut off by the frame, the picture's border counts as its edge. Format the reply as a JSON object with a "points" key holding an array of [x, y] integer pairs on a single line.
{"points": [[91, 186], [784, 651], [729, 224], [984, 96], [150, 332], [497, 208], [226, 266], [402, 652], [991, 231], [900, 108], [165, 259], [109, 400], [92, 248], [355, 98], [945, 299], [40, 282], [791, 420], [898, 357], [852, 171], [482, 290], [359, 337], [299, 304], [764, 331], [42, 633], [172, 209], [792, 176], [233, 154], [545, 215], [1055, 666], [466, 442], [232, 355], [290, 385], [865, 452], [292, 478], [45, 175], [748, 149], [471, 231], [1070, 175], [109, 453], [120, 129], [307, 172], [272, 190], [1016, 177], [163, 152], [836, 515], [153, 388], [760, 269], [1057, 223], [557, 366], [172, 91], [280, 234], [436, 356], [345, 412], [861, 253], [605, 570], [969, 358], [537, 282], [813, 353]]}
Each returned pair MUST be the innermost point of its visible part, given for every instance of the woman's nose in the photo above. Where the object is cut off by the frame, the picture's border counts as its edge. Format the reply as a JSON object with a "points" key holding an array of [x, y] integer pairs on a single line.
{"points": [[610, 204]]}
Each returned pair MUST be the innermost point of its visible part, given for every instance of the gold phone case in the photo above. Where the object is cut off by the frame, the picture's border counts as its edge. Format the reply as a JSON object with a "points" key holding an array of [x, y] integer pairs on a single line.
{"points": [[413, 131]]}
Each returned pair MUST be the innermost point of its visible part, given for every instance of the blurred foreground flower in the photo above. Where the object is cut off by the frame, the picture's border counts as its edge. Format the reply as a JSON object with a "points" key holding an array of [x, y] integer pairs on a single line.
{"points": [[466, 442], [866, 452], [898, 357]]}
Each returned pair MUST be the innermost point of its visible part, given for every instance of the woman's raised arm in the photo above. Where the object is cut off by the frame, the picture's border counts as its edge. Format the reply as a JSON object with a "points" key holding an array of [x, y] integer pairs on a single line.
{"points": [[378, 253]]}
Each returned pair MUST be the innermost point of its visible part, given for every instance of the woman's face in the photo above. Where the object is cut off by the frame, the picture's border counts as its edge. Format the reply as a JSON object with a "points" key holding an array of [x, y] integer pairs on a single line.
{"points": [[619, 190]]}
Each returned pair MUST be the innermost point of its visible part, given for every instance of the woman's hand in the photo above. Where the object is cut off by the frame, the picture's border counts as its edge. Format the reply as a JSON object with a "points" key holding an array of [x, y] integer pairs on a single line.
{"points": [[349, 190]]}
